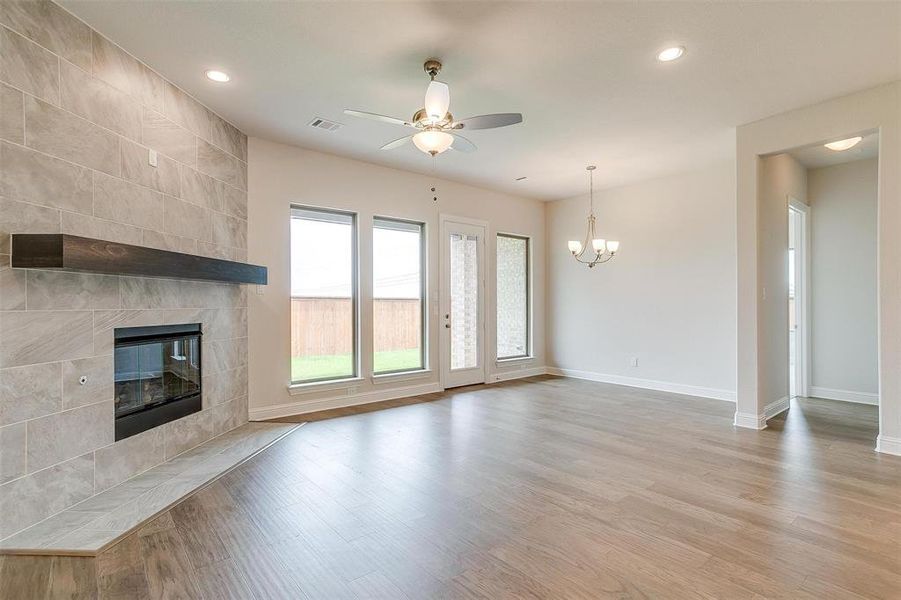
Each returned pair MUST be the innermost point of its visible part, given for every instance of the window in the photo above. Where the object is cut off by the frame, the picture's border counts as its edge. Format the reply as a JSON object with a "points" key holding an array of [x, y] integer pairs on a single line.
{"points": [[398, 296], [513, 306], [323, 295]]}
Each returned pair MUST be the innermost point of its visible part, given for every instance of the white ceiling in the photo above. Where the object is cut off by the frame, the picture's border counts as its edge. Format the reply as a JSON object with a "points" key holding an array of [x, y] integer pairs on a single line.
{"points": [[583, 75], [815, 156]]}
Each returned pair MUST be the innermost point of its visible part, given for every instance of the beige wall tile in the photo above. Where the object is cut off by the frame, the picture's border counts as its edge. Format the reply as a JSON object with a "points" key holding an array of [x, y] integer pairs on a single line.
{"points": [[12, 286], [140, 292], [55, 438], [221, 387], [43, 336], [228, 137], [229, 231], [224, 323], [97, 388], [170, 139], [117, 67], [98, 101], [12, 115], [41, 179], [50, 26], [92, 227], [129, 203], [27, 500], [241, 254], [30, 392], [218, 164], [22, 217], [224, 355], [67, 136], [186, 111], [235, 202], [12, 452], [136, 167], [201, 189], [229, 415], [58, 290], [27, 66], [215, 251], [186, 433], [187, 220], [129, 457], [163, 241]]}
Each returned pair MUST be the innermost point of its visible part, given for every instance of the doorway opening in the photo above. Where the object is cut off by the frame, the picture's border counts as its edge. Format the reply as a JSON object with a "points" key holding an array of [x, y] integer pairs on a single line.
{"points": [[828, 289]]}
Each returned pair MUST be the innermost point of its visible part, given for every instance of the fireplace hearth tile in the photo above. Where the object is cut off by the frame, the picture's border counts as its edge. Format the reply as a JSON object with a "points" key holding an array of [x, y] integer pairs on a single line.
{"points": [[99, 521]]}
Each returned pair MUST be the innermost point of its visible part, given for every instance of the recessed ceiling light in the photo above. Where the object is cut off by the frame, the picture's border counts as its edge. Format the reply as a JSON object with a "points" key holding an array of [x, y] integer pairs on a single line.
{"points": [[670, 54], [843, 144], [217, 76]]}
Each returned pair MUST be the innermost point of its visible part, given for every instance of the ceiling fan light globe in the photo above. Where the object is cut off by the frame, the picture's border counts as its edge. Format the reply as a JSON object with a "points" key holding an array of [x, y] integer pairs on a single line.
{"points": [[433, 142]]}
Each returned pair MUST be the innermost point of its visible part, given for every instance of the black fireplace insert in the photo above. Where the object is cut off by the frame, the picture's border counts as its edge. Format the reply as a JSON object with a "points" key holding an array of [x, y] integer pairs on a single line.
{"points": [[157, 376]]}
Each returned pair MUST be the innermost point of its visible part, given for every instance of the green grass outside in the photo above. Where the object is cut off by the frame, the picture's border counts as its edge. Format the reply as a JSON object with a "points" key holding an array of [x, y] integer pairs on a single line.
{"points": [[306, 368]]}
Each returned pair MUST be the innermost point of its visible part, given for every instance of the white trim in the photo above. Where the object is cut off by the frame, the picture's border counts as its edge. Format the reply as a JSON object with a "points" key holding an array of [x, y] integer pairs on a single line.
{"points": [[650, 384], [802, 301], [399, 376], [297, 389], [776, 407], [888, 445], [509, 374], [301, 407], [844, 395], [500, 362], [749, 420]]}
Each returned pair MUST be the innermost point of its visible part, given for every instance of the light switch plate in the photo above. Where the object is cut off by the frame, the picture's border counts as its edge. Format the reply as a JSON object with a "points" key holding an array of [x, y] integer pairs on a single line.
{"points": [[153, 159]]}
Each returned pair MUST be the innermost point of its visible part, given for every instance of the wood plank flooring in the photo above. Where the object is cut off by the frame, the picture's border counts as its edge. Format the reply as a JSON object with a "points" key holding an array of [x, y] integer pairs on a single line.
{"points": [[539, 488]]}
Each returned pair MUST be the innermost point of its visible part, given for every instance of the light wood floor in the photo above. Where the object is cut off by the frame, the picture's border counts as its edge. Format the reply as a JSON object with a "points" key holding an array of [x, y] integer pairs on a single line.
{"points": [[545, 488]]}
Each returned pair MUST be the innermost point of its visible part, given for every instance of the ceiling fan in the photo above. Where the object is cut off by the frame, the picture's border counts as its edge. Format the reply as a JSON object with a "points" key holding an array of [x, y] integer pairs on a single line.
{"points": [[437, 129]]}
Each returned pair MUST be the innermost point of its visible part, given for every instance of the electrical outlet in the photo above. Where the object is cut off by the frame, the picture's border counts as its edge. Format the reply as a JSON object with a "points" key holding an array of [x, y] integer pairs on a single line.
{"points": [[634, 361], [153, 159]]}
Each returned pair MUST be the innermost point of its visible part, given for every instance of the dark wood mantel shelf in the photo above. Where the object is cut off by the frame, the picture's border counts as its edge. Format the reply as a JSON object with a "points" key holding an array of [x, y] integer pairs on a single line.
{"points": [[72, 253]]}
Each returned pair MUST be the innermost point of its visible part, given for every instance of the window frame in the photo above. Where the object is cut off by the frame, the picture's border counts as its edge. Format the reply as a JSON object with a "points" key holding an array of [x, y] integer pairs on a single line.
{"points": [[528, 348], [354, 295], [423, 297]]}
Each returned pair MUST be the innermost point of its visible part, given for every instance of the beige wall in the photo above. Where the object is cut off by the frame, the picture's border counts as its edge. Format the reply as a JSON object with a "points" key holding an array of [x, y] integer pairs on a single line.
{"points": [[781, 177], [843, 326], [77, 118], [668, 299], [877, 109], [281, 175]]}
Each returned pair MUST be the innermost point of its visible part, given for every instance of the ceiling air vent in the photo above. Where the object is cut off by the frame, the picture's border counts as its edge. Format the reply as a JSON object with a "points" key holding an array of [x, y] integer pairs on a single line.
{"points": [[323, 124]]}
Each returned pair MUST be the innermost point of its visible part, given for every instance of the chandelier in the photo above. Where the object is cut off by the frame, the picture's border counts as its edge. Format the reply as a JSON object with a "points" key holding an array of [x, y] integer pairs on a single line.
{"points": [[602, 250]]}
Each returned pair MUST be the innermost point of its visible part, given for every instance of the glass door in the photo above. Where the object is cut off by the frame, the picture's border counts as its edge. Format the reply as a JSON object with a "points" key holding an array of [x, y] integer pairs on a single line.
{"points": [[462, 303]]}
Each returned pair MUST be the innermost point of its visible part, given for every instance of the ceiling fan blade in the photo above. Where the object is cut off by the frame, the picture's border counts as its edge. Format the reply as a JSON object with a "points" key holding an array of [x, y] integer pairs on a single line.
{"points": [[437, 100], [461, 144], [397, 143], [489, 121], [376, 117]]}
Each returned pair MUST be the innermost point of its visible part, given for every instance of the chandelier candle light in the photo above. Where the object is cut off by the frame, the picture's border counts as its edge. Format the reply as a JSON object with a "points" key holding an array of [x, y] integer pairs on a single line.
{"points": [[603, 250]]}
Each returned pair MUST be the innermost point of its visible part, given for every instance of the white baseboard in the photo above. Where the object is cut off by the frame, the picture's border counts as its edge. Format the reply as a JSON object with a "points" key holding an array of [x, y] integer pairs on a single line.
{"points": [[340, 401], [649, 384], [888, 445], [749, 420], [843, 395], [508, 374], [777, 406]]}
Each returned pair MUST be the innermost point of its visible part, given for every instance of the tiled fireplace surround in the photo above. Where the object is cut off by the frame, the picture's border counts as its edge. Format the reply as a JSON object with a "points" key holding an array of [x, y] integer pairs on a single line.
{"points": [[77, 118]]}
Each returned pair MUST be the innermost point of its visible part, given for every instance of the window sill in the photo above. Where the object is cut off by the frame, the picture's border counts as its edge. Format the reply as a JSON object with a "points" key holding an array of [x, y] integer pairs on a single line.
{"points": [[508, 361], [296, 389], [402, 376]]}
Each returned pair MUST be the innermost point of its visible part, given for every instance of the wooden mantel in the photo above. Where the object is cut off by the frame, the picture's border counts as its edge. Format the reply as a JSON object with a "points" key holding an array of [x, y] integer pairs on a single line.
{"points": [[64, 252]]}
